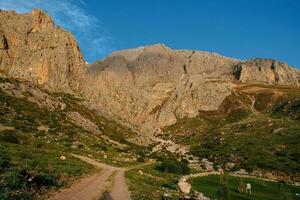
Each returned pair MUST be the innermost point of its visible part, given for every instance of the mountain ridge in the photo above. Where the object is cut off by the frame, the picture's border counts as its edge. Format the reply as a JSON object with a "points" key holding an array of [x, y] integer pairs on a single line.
{"points": [[148, 87], [173, 109]]}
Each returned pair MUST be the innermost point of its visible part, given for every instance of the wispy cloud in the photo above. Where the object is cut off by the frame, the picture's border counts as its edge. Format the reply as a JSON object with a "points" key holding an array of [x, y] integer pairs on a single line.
{"points": [[94, 40]]}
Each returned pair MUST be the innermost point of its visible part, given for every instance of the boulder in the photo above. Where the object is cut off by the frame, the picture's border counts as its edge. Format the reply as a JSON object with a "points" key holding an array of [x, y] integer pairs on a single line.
{"points": [[184, 187], [229, 165]]}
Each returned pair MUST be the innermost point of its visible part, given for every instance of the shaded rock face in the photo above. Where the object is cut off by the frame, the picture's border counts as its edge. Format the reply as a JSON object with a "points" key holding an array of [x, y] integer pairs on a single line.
{"points": [[148, 88], [33, 48]]}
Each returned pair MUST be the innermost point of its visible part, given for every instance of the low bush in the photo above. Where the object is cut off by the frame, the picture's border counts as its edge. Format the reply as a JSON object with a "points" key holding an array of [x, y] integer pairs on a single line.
{"points": [[170, 185], [173, 166], [9, 137], [141, 159]]}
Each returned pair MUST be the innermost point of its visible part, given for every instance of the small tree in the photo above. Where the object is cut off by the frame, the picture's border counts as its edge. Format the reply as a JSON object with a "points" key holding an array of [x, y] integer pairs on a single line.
{"points": [[223, 190], [242, 186]]}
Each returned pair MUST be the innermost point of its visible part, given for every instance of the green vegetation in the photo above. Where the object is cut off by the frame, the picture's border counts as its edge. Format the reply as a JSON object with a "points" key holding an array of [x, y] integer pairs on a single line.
{"points": [[33, 139], [173, 166], [110, 128], [27, 172], [29, 157], [261, 190], [152, 183], [266, 138]]}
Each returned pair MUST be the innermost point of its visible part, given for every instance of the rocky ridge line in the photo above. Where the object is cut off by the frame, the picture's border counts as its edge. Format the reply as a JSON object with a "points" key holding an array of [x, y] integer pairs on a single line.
{"points": [[147, 88]]}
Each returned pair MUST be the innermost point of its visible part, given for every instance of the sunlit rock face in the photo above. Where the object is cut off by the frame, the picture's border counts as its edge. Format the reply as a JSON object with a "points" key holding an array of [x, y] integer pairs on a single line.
{"points": [[267, 71], [147, 88], [33, 48]]}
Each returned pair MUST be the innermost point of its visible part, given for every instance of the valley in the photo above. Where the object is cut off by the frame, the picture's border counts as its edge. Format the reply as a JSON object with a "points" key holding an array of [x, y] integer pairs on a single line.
{"points": [[145, 123]]}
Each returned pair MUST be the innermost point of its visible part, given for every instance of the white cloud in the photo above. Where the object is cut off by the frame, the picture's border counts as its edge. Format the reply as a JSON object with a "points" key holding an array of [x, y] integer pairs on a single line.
{"points": [[93, 39]]}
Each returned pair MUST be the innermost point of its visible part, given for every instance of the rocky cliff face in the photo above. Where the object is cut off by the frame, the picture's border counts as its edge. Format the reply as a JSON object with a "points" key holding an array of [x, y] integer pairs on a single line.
{"points": [[33, 48], [148, 87], [266, 71], [153, 86]]}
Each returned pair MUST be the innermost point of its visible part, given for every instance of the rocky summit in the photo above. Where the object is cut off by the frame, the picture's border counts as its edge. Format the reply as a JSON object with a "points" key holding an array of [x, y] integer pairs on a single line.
{"points": [[147, 88], [32, 47]]}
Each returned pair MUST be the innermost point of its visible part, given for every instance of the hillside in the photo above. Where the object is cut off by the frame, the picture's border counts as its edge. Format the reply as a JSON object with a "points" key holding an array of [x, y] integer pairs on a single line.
{"points": [[255, 128], [185, 111], [147, 88], [38, 128]]}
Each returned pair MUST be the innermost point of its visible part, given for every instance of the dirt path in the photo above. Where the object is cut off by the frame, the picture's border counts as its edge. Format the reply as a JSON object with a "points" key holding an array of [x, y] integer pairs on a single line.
{"points": [[91, 188]]}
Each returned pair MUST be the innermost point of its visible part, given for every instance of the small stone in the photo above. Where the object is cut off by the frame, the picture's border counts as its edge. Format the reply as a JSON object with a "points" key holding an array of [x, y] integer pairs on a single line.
{"points": [[62, 158]]}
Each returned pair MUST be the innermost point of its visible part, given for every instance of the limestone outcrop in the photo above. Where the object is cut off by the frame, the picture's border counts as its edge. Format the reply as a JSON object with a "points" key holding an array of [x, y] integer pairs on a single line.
{"points": [[32, 47], [267, 71], [153, 86]]}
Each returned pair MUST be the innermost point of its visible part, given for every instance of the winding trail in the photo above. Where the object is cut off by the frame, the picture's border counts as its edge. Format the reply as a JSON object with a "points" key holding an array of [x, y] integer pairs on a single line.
{"points": [[109, 179]]}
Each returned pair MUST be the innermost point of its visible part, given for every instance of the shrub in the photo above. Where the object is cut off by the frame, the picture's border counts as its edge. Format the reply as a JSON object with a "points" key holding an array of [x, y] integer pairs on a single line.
{"points": [[100, 146], [170, 185], [10, 137], [45, 179], [39, 145], [173, 166], [20, 195], [140, 159], [5, 161]]}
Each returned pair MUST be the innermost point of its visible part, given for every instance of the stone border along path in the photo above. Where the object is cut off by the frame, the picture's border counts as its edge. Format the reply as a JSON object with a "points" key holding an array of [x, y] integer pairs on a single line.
{"points": [[109, 179], [202, 174]]}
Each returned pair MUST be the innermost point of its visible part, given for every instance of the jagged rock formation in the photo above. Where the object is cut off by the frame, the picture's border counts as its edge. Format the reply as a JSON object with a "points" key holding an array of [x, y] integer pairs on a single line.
{"points": [[148, 87], [33, 48], [266, 71]]}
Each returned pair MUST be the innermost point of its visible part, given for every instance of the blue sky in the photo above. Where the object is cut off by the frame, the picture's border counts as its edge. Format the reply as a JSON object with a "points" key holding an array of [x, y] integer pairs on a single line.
{"points": [[235, 28]]}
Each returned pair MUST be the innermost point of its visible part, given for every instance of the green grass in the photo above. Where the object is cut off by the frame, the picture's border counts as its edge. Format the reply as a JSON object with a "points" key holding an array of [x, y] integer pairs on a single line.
{"points": [[152, 184], [30, 167], [250, 140], [261, 190], [29, 158], [20, 163]]}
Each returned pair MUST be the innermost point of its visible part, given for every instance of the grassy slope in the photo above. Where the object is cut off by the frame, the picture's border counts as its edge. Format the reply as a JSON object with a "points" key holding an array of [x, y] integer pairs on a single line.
{"points": [[234, 132], [261, 190], [37, 152], [27, 152], [29, 158], [152, 184], [267, 139]]}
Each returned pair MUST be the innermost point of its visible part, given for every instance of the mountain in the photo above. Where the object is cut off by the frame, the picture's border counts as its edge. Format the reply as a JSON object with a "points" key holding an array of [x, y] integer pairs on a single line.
{"points": [[147, 88], [154, 86], [179, 107]]}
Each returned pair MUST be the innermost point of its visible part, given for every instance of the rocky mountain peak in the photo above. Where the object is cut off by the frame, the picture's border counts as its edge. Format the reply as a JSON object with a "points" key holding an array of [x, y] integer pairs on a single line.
{"points": [[148, 88], [33, 48], [42, 21]]}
